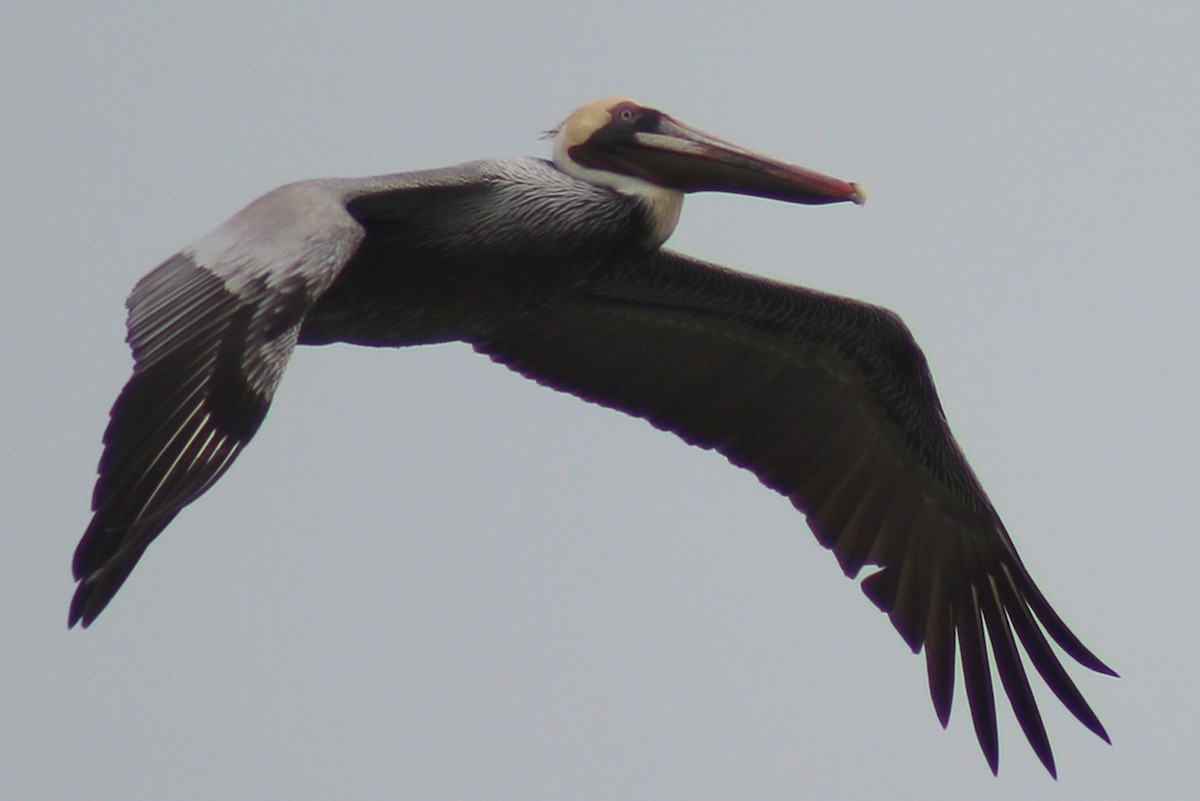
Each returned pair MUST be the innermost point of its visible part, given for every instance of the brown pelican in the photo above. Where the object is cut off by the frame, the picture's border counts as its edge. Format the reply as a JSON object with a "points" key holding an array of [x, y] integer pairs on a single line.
{"points": [[554, 269]]}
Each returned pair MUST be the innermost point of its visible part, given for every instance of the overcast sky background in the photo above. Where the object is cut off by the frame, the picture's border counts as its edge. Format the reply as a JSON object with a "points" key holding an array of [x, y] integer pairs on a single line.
{"points": [[428, 578]]}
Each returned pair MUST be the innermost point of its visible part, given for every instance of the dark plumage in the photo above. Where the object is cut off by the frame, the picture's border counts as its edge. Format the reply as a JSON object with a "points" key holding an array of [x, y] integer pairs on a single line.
{"points": [[555, 271]]}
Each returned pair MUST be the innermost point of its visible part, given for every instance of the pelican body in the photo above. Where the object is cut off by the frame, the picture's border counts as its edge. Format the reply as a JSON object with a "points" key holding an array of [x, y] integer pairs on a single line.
{"points": [[555, 269]]}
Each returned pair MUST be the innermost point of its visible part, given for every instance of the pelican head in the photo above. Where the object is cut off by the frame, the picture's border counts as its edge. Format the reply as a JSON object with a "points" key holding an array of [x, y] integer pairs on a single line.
{"points": [[630, 148]]}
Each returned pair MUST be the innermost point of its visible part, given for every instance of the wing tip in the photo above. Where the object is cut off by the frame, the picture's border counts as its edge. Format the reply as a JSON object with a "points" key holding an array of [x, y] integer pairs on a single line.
{"points": [[993, 758], [83, 611], [97, 587]]}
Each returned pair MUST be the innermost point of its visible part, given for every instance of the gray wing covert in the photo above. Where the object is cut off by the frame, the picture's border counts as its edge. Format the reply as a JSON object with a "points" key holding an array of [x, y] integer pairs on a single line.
{"points": [[829, 402]]}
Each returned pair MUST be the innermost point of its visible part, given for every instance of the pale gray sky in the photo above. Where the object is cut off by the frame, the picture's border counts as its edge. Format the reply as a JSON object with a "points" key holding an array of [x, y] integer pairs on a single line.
{"points": [[428, 578]]}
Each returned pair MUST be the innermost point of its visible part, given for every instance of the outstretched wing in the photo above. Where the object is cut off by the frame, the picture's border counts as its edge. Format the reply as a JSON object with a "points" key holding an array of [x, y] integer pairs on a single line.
{"points": [[211, 331], [829, 402]]}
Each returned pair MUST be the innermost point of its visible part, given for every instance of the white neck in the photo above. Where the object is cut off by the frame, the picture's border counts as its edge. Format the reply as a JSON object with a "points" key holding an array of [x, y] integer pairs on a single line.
{"points": [[662, 204]]}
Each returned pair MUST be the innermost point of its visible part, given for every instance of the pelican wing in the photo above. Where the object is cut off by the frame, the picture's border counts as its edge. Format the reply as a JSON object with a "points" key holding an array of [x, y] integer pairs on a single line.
{"points": [[211, 330], [829, 402]]}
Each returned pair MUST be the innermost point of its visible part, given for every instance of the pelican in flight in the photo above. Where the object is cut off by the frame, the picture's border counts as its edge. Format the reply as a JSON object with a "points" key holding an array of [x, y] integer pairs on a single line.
{"points": [[556, 270]]}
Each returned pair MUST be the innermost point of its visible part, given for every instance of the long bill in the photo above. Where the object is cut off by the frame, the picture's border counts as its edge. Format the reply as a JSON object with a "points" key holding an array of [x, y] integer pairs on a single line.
{"points": [[677, 156]]}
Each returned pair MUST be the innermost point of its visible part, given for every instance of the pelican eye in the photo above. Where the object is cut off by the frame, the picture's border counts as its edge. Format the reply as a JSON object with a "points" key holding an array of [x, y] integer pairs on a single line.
{"points": [[628, 117], [625, 113]]}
